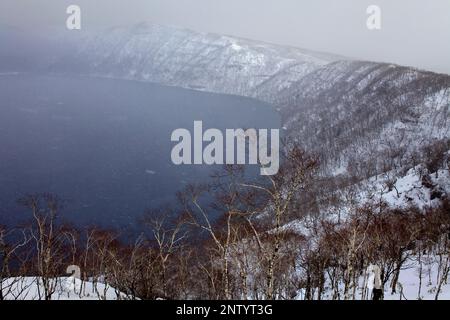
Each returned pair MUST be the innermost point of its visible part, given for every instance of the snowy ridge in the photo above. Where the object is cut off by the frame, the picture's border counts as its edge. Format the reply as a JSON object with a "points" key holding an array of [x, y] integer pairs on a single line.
{"points": [[355, 112], [201, 61]]}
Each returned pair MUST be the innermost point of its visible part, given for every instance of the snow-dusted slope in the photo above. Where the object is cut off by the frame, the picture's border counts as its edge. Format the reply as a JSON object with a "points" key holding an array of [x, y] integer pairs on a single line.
{"points": [[366, 114], [189, 59], [64, 288], [408, 288]]}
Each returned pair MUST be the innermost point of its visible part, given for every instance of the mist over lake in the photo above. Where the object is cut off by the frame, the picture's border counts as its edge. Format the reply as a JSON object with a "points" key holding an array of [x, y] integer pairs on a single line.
{"points": [[103, 145]]}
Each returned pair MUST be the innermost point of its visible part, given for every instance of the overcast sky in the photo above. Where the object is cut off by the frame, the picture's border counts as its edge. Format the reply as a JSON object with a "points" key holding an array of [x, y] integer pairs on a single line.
{"points": [[414, 32]]}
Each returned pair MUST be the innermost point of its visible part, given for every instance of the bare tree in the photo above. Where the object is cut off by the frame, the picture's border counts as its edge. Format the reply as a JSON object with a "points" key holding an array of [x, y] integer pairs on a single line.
{"points": [[279, 192], [47, 238], [168, 234], [8, 249]]}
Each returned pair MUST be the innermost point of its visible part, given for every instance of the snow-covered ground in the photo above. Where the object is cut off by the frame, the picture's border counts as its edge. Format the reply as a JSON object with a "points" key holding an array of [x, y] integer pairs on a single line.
{"points": [[413, 284], [419, 278], [410, 280], [408, 190], [65, 288]]}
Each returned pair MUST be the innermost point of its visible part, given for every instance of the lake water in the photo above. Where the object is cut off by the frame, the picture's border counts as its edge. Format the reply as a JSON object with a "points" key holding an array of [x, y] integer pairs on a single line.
{"points": [[104, 145]]}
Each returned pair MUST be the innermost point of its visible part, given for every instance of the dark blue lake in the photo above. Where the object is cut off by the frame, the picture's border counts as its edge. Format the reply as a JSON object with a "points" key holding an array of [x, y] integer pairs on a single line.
{"points": [[104, 145]]}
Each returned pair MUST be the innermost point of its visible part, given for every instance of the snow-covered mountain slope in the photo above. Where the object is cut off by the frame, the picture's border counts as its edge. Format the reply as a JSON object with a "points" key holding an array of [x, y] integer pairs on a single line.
{"points": [[421, 274], [189, 59], [426, 272], [367, 115], [416, 188]]}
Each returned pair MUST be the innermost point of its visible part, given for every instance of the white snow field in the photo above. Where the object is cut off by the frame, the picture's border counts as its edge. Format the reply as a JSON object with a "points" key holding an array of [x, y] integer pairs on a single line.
{"points": [[415, 283], [65, 288]]}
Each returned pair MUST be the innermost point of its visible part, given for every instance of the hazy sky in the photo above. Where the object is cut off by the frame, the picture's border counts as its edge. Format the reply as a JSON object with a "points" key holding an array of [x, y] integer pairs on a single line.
{"points": [[414, 32]]}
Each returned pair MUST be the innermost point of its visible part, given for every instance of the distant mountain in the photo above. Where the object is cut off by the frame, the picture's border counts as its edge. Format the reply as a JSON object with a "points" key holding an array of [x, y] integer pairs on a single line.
{"points": [[189, 59]]}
